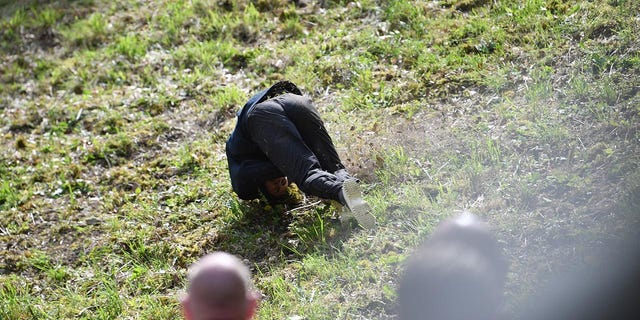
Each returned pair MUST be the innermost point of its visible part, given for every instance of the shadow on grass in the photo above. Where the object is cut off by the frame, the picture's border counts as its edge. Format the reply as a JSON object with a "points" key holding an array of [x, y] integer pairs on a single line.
{"points": [[267, 235]]}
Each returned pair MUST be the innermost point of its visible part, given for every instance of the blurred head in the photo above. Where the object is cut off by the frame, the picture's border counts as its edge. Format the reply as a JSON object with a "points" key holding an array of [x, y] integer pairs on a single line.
{"points": [[277, 187], [458, 273], [219, 289], [470, 231]]}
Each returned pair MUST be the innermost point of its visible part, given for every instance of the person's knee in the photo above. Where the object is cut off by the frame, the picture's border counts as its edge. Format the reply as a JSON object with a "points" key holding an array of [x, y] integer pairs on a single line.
{"points": [[263, 119], [261, 111], [295, 102]]}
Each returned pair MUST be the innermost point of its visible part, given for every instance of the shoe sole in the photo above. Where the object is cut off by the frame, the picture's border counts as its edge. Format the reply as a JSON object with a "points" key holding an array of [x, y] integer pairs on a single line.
{"points": [[358, 207]]}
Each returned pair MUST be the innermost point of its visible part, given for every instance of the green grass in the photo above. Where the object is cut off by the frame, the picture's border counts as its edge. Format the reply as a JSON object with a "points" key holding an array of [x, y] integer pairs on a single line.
{"points": [[114, 118]]}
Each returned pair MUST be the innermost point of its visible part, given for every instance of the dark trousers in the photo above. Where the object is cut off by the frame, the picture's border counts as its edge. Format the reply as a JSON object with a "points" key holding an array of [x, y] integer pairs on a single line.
{"points": [[289, 131]]}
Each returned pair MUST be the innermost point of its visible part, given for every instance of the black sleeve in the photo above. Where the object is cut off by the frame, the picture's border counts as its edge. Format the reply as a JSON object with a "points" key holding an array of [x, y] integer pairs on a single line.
{"points": [[247, 176]]}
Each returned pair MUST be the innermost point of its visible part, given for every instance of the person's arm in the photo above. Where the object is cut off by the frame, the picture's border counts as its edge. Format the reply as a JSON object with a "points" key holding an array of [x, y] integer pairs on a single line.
{"points": [[247, 175]]}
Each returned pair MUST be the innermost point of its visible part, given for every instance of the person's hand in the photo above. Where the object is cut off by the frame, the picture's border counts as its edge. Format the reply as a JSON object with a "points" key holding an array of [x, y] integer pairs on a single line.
{"points": [[277, 187]]}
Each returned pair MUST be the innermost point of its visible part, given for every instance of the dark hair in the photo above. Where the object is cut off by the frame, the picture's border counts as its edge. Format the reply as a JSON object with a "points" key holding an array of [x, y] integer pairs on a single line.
{"points": [[271, 198]]}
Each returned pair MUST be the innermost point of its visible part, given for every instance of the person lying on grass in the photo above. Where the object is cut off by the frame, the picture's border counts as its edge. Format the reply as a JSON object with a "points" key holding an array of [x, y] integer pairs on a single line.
{"points": [[219, 288], [280, 138], [458, 273]]}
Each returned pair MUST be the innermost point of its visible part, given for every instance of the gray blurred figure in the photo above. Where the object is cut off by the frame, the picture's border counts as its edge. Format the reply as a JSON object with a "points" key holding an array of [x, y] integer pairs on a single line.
{"points": [[458, 273], [607, 287], [219, 289]]}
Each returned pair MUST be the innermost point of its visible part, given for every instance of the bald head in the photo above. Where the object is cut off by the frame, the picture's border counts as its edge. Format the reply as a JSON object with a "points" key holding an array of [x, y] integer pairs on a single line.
{"points": [[219, 289]]}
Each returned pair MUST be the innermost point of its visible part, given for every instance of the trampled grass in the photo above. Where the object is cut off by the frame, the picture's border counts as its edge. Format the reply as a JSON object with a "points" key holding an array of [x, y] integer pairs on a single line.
{"points": [[115, 114]]}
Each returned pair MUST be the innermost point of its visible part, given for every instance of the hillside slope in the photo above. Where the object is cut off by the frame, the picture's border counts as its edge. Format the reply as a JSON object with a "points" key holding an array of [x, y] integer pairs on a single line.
{"points": [[114, 117]]}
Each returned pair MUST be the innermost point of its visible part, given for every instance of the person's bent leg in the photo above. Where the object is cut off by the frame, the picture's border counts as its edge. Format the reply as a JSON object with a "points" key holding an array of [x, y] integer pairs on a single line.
{"points": [[307, 120], [273, 131]]}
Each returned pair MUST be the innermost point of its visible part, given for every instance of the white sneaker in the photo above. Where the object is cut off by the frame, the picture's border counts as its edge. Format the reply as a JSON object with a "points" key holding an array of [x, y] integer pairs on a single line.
{"points": [[352, 195]]}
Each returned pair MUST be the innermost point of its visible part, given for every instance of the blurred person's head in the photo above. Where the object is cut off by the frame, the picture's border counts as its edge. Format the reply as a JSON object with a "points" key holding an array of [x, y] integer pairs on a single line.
{"points": [[458, 273], [219, 289]]}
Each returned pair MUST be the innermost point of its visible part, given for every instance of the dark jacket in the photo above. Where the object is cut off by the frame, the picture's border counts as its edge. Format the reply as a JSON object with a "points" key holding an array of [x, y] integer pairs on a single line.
{"points": [[249, 167]]}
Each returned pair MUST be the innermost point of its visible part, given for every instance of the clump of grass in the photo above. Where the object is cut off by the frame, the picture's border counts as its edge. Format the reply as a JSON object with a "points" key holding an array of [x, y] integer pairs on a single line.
{"points": [[46, 17], [16, 300], [173, 22], [9, 198], [227, 97], [206, 56], [246, 28], [112, 150], [88, 33], [292, 26], [130, 46], [407, 16]]}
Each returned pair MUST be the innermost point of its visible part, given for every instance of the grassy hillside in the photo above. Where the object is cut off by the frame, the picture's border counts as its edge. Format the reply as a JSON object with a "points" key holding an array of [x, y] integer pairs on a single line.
{"points": [[115, 114]]}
